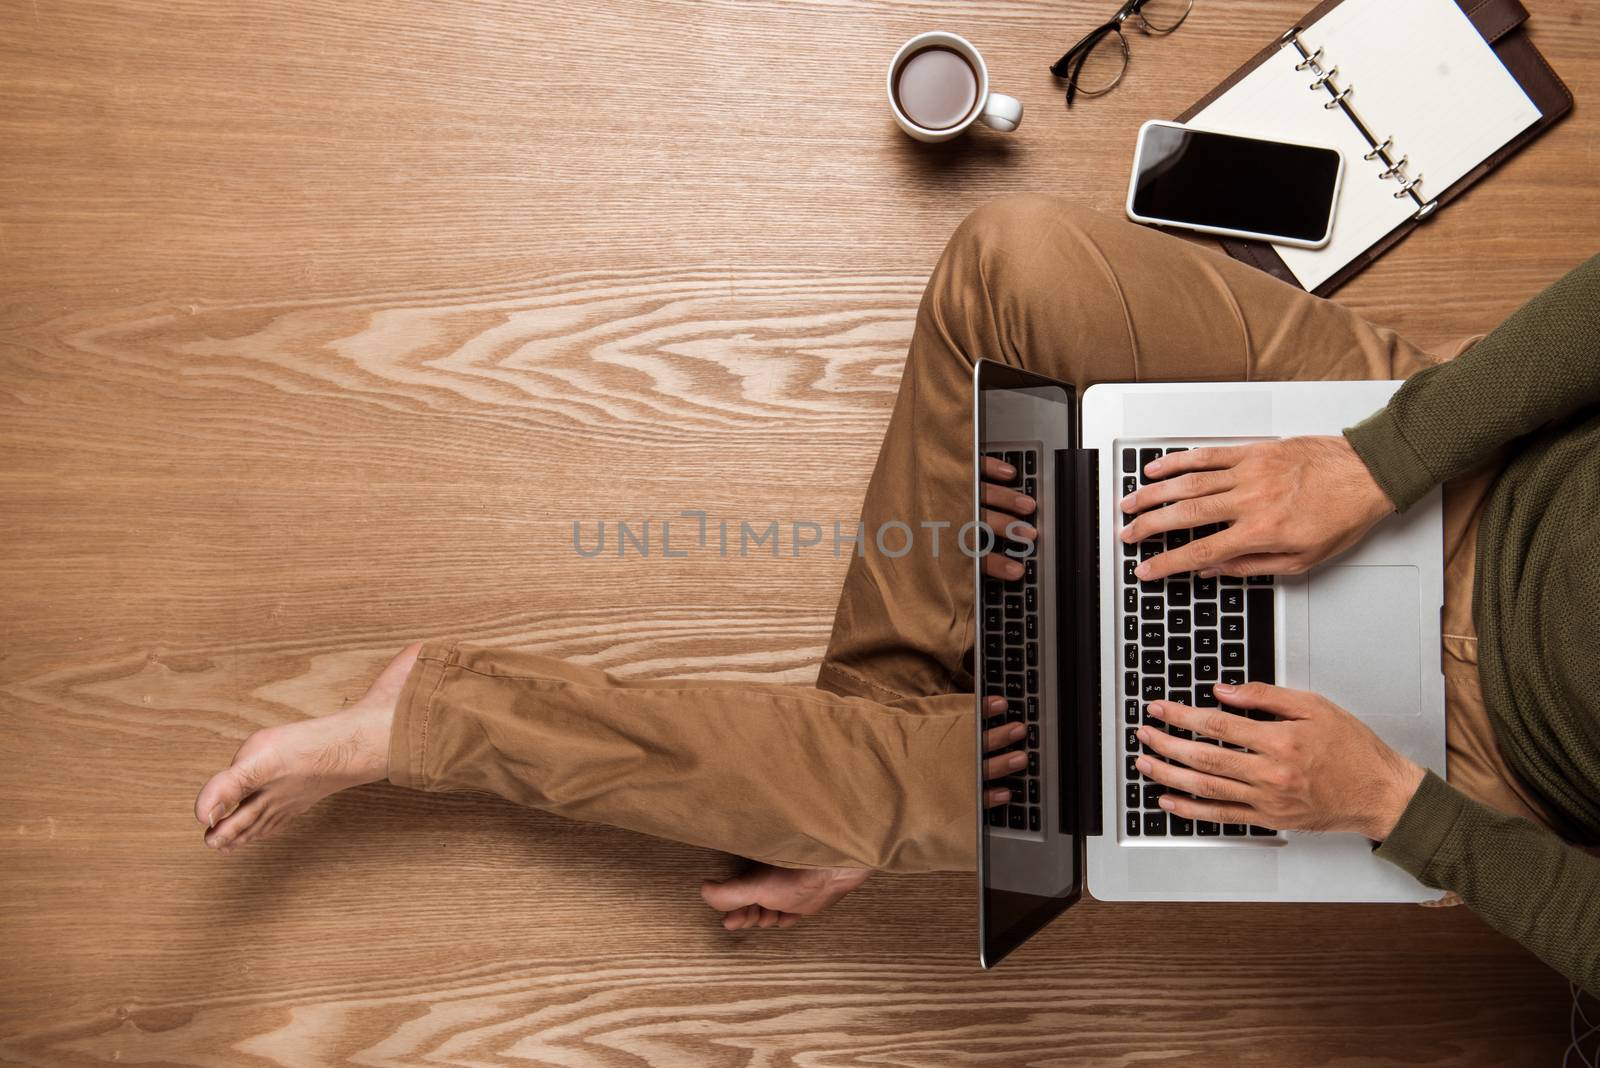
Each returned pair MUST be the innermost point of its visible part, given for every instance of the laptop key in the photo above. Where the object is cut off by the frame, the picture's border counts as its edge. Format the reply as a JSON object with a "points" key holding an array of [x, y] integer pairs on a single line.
{"points": [[1182, 697], [1150, 609], [1181, 827], [1018, 817], [1178, 648], [1154, 689], [997, 816], [1262, 832], [1205, 641], [1145, 456], [1130, 684], [1155, 824], [1177, 593], [1205, 667], [1155, 661], [1207, 829], [1132, 825], [1233, 830], [1205, 588], [1152, 797], [1030, 462], [1131, 798], [1033, 791], [1130, 712], [1178, 620], [1178, 675], [1258, 603], [1232, 600], [1131, 741], [1232, 654], [1151, 634], [1130, 461], [1034, 822], [1205, 614], [1233, 628], [1130, 769], [1130, 600]]}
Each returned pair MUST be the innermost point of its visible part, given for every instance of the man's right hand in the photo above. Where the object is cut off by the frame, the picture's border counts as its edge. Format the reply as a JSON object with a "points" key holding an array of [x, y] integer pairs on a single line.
{"points": [[1288, 506]]}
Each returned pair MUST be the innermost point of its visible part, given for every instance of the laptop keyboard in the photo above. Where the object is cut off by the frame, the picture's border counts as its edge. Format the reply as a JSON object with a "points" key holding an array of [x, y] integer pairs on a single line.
{"points": [[1180, 636], [1011, 661]]}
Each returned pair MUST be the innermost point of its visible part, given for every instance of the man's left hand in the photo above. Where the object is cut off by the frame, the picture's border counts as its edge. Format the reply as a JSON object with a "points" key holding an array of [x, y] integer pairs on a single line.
{"points": [[1315, 768]]}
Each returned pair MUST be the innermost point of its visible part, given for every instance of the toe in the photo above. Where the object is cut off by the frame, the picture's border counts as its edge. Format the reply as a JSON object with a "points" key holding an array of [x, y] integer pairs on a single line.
{"points": [[228, 833], [728, 895], [251, 767]]}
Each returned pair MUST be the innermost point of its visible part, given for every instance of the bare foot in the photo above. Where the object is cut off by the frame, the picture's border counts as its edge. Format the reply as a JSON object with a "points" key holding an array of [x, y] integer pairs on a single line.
{"points": [[766, 896], [280, 772]]}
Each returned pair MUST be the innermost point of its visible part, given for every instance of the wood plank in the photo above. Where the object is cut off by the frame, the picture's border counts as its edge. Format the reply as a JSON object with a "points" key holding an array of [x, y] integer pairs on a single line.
{"points": [[320, 325]]}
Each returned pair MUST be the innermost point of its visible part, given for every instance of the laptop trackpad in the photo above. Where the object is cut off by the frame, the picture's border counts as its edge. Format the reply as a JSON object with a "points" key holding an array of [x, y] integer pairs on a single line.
{"points": [[1365, 639]]}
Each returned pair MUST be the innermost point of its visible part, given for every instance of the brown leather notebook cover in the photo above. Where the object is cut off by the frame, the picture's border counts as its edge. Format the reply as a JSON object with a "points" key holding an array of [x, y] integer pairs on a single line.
{"points": [[1501, 23]]}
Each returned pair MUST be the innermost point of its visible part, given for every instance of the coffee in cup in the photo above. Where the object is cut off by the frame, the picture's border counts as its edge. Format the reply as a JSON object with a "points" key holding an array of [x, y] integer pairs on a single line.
{"points": [[939, 85]]}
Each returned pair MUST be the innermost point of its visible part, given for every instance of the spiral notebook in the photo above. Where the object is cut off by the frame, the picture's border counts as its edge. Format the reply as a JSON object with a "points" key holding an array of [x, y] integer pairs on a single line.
{"points": [[1422, 97]]}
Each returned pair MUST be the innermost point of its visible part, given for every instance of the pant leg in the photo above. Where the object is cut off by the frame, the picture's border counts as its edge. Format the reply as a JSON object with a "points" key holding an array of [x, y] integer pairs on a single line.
{"points": [[874, 768], [1041, 283]]}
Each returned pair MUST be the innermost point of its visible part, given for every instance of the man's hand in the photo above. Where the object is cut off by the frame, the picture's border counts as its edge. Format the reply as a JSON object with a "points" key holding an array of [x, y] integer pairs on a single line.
{"points": [[1318, 768], [1289, 504], [1003, 509]]}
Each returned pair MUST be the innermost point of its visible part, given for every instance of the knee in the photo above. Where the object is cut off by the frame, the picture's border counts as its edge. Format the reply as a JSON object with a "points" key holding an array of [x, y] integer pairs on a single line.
{"points": [[1016, 226], [1012, 247]]}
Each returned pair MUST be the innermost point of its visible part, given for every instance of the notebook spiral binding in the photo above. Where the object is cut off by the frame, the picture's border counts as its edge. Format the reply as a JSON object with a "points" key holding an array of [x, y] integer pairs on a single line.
{"points": [[1339, 97]]}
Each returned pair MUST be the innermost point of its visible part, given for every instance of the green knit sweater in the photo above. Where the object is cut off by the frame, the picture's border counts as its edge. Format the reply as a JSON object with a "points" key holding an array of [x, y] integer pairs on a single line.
{"points": [[1533, 384]]}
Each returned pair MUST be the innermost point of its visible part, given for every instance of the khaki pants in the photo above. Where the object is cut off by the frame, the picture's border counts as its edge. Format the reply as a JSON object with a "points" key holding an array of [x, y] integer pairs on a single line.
{"points": [[875, 766]]}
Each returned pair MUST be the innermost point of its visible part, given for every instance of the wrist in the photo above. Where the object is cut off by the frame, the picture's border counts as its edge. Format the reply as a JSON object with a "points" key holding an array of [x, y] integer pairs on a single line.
{"points": [[1375, 503], [1399, 788]]}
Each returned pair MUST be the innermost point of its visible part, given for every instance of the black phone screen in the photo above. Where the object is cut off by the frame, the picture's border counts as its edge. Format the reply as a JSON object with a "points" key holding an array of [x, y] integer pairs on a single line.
{"points": [[1236, 183]]}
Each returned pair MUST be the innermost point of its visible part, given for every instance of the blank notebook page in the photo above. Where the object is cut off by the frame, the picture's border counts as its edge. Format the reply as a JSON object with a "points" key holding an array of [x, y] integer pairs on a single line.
{"points": [[1421, 74]]}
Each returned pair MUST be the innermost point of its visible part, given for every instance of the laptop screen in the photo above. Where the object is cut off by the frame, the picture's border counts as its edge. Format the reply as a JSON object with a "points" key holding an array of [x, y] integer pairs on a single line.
{"points": [[1025, 647]]}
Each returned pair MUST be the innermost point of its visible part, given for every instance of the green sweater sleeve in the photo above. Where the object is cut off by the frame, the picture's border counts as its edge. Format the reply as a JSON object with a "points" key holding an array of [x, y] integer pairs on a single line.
{"points": [[1538, 366], [1524, 881]]}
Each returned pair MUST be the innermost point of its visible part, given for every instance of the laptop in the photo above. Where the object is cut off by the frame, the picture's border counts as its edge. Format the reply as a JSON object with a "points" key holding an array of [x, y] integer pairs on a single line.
{"points": [[1078, 646]]}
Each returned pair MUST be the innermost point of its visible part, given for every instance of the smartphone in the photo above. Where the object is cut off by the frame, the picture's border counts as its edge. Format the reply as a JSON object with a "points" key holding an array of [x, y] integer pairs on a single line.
{"points": [[1236, 186]]}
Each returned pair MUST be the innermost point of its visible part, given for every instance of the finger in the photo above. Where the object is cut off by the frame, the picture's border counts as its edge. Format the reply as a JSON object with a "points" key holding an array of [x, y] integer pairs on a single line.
{"points": [[1185, 515], [1279, 700], [1199, 484], [998, 470], [998, 767], [1008, 526], [1000, 566], [768, 918], [225, 833], [1193, 808], [1204, 553], [1215, 723], [1191, 781], [729, 895], [736, 919], [1007, 499], [1204, 756], [1002, 736], [1259, 564], [1203, 459], [788, 919], [998, 796]]}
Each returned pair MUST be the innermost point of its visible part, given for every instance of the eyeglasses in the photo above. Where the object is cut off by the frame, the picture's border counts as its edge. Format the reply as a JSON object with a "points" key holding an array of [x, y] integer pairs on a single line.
{"points": [[1096, 64]]}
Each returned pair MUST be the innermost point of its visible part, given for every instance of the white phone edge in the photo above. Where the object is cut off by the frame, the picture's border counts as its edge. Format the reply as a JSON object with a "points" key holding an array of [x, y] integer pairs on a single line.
{"points": [[1133, 179]]}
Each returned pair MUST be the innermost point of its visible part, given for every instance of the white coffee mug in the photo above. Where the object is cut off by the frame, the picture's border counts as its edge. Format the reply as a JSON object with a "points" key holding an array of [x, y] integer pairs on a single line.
{"points": [[998, 110]]}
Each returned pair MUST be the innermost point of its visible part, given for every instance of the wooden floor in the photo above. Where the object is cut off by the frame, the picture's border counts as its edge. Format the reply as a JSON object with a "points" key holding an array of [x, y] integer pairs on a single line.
{"points": [[320, 323]]}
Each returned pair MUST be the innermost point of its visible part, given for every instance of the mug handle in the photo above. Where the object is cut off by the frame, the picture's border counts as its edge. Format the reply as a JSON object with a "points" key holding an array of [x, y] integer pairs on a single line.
{"points": [[1002, 112]]}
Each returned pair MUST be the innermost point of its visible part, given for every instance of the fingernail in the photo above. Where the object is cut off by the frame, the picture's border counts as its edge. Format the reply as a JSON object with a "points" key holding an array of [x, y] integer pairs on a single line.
{"points": [[1025, 503], [1209, 572], [1223, 687], [1007, 471], [1018, 730], [1013, 569], [216, 813], [1143, 764], [999, 797], [1143, 571], [1152, 467], [1156, 709], [1165, 802], [1127, 533], [1142, 733], [1018, 760]]}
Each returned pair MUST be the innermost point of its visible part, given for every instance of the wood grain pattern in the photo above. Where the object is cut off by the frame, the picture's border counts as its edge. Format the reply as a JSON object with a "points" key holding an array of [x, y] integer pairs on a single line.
{"points": [[320, 324]]}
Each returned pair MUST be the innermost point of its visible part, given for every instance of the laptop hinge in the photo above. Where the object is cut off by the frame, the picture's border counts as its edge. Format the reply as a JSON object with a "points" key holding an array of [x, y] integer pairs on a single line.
{"points": [[1078, 636]]}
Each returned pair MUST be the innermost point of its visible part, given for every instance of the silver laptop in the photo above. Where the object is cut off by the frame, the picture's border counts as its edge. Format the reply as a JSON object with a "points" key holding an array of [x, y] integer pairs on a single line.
{"points": [[1078, 646]]}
